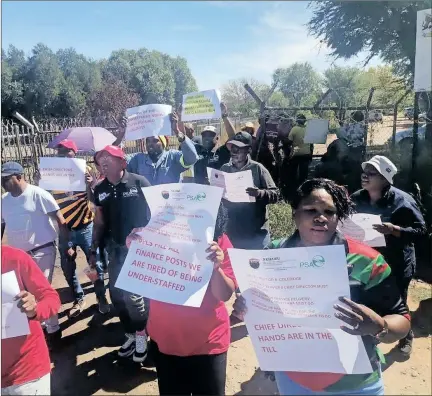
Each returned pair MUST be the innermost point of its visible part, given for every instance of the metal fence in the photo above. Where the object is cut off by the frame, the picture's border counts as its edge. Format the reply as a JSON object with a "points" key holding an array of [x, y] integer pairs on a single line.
{"points": [[26, 145]]}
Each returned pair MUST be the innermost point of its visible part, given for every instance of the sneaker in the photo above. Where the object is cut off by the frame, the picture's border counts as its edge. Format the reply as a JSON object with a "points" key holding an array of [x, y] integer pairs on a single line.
{"points": [[128, 348], [53, 339], [405, 347], [103, 306], [140, 353], [77, 308]]}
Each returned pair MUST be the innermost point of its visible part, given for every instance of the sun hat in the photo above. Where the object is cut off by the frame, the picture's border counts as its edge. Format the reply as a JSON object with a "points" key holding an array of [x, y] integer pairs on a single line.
{"points": [[383, 165]]}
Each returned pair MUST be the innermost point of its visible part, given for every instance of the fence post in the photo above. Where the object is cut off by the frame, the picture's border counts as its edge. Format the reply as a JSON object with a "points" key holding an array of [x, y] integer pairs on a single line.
{"points": [[415, 139], [18, 143]]}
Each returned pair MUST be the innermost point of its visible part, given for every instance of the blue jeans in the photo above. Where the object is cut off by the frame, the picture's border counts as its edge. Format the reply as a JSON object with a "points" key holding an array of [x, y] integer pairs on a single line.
{"points": [[287, 386], [83, 239]]}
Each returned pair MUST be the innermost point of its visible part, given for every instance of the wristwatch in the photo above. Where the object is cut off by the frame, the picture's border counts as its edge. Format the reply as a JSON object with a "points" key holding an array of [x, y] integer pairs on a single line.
{"points": [[381, 334], [70, 244]]}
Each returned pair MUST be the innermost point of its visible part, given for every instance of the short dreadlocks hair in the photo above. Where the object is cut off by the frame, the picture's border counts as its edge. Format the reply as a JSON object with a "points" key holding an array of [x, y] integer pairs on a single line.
{"points": [[341, 199]]}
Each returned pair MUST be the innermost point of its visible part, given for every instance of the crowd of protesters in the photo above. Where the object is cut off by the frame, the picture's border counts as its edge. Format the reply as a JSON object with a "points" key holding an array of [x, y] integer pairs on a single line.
{"points": [[189, 345]]}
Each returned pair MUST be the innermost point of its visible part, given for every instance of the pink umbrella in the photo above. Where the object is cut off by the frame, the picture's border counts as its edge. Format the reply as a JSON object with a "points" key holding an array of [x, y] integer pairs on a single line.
{"points": [[86, 138]]}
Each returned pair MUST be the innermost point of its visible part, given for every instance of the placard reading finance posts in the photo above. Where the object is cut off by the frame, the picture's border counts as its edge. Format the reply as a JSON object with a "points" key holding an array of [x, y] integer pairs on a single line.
{"points": [[148, 120], [204, 105], [169, 262], [62, 174]]}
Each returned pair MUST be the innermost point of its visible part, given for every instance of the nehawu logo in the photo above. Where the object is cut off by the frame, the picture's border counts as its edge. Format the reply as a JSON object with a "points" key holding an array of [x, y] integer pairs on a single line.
{"points": [[165, 194], [316, 262], [197, 198], [254, 263]]}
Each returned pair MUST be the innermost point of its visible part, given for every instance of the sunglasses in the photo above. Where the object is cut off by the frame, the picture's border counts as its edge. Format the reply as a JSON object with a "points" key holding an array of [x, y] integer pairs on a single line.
{"points": [[370, 174], [5, 179]]}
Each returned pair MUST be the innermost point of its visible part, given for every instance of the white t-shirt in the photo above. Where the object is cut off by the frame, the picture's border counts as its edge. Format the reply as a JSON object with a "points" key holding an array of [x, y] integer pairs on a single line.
{"points": [[27, 222]]}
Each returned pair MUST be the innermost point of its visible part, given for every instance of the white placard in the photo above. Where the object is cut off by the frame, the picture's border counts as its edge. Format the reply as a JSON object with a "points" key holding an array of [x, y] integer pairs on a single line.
{"points": [[148, 120], [289, 296], [204, 105], [14, 322], [423, 55], [316, 131], [360, 228], [233, 184], [169, 262], [62, 174]]}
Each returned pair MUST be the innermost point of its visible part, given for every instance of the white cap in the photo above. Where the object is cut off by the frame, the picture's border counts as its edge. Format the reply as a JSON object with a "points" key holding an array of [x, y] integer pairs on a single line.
{"points": [[383, 165], [209, 128]]}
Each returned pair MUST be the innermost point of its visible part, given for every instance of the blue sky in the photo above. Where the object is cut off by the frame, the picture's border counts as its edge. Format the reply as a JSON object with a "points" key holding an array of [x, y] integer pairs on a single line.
{"points": [[220, 40]]}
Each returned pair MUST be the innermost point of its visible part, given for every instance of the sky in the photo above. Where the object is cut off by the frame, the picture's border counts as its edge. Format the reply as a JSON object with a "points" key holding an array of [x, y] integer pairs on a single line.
{"points": [[221, 40]]}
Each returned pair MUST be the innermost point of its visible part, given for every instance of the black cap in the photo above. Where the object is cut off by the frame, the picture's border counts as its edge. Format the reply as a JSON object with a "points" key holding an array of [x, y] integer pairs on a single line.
{"points": [[241, 139]]}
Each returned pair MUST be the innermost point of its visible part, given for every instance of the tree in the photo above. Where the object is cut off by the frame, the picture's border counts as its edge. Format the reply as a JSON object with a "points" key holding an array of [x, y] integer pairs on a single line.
{"points": [[381, 28], [68, 84], [343, 82], [299, 83], [44, 82], [112, 98]]}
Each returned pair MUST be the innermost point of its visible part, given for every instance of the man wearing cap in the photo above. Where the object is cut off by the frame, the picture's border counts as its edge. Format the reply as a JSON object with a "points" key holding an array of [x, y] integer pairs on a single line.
{"points": [[162, 166], [121, 207], [402, 223], [248, 225], [29, 213], [76, 209], [209, 156]]}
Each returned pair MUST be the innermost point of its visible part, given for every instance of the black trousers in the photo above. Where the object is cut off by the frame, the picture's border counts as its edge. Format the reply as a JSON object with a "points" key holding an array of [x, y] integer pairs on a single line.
{"points": [[403, 285], [294, 173], [190, 375]]}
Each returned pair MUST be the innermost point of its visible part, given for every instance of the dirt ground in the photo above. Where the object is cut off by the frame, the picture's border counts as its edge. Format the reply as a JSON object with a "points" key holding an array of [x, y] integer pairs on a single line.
{"points": [[87, 363]]}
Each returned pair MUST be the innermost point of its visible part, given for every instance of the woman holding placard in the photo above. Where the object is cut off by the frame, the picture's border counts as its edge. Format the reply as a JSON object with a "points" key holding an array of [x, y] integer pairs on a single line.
{"points": [[375, 310]]}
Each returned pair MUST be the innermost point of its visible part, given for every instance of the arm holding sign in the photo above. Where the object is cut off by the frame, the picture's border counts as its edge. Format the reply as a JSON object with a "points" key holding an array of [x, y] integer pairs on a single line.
{"points": [[189, 154], [121, 131], [229, 127], [267, 193], [222, 282], [39, 301], [415, 225]]}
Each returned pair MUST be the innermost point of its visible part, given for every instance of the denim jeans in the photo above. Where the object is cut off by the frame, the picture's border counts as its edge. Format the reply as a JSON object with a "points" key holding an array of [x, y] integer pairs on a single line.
{"points": [[83, 239], [133, 310], [287, 386]]}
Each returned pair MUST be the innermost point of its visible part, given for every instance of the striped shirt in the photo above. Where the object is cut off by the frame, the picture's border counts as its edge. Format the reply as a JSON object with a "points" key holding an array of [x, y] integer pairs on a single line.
{"points": [[75, 208]]}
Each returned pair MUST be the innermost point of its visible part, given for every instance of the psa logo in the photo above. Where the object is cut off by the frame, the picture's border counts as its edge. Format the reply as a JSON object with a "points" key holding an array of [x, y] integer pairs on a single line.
{"points": [[316, 262], [197, 198], [254, 263], [165, 194]]}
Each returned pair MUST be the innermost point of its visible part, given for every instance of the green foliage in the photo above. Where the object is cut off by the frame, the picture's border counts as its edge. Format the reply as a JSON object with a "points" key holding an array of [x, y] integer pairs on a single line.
{"points": [[300, 84], [281, 221], [381, 28], [68, 84]]}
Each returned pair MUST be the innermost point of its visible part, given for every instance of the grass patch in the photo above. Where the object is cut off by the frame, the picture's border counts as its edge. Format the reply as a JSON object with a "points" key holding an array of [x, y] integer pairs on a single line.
{"points": [[281, 221]]}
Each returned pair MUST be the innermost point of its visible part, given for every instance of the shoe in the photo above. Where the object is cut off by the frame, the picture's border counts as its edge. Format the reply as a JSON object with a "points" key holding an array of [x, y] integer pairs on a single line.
{"points": [[103, 306], [53, 339], [140, 353], [77, 308], [128, 348], [405, 347]]}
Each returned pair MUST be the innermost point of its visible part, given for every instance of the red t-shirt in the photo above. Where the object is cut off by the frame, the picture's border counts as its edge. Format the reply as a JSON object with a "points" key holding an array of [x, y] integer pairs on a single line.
{"points": [[187, 331], [26, 358]]}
